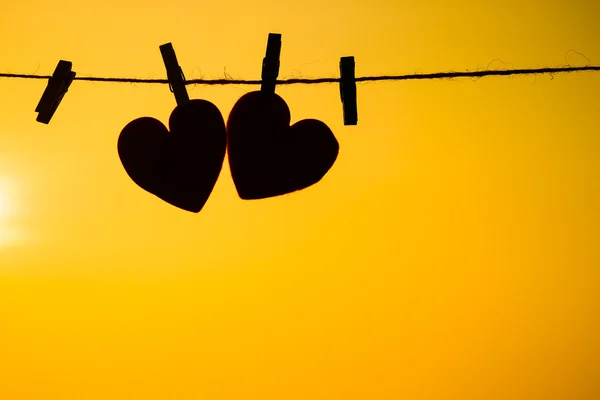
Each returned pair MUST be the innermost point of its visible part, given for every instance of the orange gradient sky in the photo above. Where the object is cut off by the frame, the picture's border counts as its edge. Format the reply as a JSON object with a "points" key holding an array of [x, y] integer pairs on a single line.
{"points": [[450, 253]]}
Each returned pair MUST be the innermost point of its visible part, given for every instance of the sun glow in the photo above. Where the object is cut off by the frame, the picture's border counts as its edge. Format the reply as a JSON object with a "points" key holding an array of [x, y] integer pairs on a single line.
{"points": [[8, 231], [4, 208]]}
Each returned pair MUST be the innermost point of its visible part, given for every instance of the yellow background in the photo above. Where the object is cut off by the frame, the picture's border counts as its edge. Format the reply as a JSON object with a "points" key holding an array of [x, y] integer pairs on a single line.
{"points": [[452, 252]]}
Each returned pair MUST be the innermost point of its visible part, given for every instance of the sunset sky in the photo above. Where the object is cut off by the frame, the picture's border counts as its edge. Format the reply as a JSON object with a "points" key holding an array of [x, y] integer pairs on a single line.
{"points": [[452, 251]]}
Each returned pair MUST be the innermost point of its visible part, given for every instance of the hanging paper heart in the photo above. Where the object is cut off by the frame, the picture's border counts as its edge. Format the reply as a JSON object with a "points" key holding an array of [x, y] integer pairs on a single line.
{"points": [[267, 156], [180, 165]]}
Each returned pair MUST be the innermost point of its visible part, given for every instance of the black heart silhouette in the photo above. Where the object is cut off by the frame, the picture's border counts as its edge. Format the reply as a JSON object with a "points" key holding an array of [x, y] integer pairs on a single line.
{"points": [[182, 166], [267, 156]]}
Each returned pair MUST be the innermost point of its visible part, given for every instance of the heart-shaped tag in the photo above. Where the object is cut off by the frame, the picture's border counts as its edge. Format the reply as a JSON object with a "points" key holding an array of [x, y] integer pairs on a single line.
{"points": [[180, 166], [267, 156]]}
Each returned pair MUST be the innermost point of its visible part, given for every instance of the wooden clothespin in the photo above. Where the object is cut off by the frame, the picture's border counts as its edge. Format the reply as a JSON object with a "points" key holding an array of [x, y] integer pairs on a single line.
{"points": [[348, 90], [58, 85], [270, 66], [174, 74]]}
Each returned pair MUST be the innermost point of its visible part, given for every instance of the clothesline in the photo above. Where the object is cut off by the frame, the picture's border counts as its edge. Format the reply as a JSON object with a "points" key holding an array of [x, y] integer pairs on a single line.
{"points": [[294, 81]]}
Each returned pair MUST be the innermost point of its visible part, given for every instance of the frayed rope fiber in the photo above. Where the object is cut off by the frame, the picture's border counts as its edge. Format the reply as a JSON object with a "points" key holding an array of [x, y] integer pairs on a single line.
{"points": [[435, 75]]}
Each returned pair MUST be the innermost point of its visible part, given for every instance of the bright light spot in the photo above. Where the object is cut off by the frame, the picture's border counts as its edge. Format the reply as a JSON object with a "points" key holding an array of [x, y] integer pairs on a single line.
{"points": [[4, 207], [9, 232], [6, 203]]}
